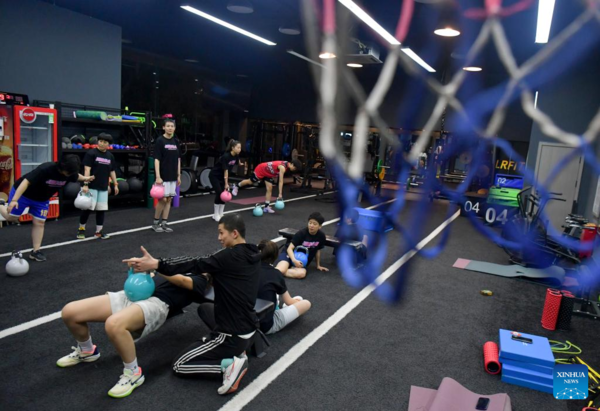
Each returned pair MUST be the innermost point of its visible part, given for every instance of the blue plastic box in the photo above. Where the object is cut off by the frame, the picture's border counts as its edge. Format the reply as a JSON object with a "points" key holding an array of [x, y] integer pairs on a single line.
{"points": [[372, 220], [528, 384], [528, 375], [538, 352], [533, 367]]}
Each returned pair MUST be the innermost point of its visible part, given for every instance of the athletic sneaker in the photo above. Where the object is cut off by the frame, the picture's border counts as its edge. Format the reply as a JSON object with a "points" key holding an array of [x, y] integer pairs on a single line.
{"points": [[234, 190], [166, 228], [37, 256], [158, 228], [102, 236], [78, 356], [81, 233], [127, 383], [233, 375], [268, 210]]}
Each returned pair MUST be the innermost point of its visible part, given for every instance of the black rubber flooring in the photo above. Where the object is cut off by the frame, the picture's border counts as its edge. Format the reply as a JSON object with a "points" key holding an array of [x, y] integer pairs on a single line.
{"points": [[367, 361]]}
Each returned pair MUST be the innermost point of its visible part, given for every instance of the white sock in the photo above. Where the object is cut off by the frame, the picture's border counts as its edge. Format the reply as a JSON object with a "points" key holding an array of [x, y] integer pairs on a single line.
{"points": [[133, 366], [216, 216], [221, 209], [86, 346], [99, 228]]}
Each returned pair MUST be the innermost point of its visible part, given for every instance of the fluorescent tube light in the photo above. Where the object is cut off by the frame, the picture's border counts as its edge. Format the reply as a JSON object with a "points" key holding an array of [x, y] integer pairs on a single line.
{"points": [[545, 11], [228, 25], [472, 68], [447, 32], [354, 65], [418, 60], [361, 14]]}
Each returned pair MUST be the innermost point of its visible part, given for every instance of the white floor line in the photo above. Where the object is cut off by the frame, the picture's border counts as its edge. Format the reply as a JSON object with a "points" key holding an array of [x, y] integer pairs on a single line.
{"points": [[133, 230], [51, 317], [270, 374]]}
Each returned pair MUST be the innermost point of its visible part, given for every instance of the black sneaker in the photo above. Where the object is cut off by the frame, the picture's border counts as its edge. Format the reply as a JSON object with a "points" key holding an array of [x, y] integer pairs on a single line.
{"points": [[102, 236], [81, 233], [37, 256]]}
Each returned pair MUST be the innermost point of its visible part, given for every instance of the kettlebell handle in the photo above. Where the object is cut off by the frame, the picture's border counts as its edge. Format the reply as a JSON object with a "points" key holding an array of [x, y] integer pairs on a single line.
{"points": [[301, 248]]}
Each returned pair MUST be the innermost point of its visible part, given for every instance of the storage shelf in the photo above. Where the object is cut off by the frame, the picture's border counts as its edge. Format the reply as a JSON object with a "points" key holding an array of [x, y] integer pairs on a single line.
{"points": [[83, 150], [31, 164], [33, 145], [34, 128], [99, 122]]}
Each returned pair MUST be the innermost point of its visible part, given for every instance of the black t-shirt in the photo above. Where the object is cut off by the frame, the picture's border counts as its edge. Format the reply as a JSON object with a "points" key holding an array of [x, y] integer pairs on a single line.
{"points": [[166, 150], [235, 273], [313, 242], [44, 181], [225, 162], [102, 164], [270, 286], [178, 298]]}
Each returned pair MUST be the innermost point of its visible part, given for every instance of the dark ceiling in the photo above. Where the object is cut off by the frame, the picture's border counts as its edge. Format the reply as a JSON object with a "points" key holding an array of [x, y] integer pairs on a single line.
{"points": [[163, 28]]}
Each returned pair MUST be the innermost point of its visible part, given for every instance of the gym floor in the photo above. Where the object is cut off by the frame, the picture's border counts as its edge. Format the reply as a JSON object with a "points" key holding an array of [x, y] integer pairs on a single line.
{"points": [[367, 361]]}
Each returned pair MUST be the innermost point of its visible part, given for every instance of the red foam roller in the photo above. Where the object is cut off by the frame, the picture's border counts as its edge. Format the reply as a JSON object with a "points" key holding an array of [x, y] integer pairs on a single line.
{"points": [[551, 309], [490, 358]]}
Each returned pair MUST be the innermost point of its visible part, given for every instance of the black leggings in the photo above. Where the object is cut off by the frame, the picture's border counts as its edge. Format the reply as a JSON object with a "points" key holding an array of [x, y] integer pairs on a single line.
{"points": [[218, 184], [205, 355], [85, 214]]}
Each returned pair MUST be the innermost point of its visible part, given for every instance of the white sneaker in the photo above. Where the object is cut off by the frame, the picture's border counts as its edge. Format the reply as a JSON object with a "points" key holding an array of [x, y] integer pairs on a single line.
{"points": [[233, 375], [78, 356], [234, 190], [127, 383]]}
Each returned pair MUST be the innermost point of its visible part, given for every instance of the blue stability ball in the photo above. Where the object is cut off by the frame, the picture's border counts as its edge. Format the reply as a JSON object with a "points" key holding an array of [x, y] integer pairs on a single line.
{"points": [[301, 254], [258, 211], [279, 205], [138, 286]]}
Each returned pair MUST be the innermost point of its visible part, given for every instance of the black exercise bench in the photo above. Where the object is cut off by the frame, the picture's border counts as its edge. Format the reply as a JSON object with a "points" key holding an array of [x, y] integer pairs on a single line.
{"points": [[259, 344]]}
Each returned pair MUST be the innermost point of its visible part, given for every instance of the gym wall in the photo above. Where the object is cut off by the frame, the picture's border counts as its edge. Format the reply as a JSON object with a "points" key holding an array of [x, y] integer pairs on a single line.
{"points": [[51, 53], [572, 101]]}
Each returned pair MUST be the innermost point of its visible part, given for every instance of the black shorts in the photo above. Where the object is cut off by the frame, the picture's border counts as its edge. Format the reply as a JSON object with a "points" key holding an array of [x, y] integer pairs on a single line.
{"points": [[255, 179]]}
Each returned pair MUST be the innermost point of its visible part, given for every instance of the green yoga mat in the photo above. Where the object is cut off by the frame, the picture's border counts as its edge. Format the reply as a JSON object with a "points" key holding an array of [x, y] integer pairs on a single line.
{"points": [[94, 115], [552, 275]]}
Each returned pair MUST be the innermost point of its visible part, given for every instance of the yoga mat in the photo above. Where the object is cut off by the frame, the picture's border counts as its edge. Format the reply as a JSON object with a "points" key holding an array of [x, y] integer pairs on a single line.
{"points": [[451, 396], [251, 200], [553, 275], [551, 309], [490, 358], [94, 115]]}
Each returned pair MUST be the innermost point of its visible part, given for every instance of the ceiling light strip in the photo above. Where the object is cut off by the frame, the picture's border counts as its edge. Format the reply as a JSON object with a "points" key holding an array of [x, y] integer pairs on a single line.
{"points": [[228, 25], [361, 14], [293, 53], [418, 60], [545, 12]]}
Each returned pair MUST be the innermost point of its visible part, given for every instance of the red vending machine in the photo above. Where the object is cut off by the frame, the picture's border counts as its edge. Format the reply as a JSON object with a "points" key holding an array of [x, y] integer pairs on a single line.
{"points": [[28, 138]]}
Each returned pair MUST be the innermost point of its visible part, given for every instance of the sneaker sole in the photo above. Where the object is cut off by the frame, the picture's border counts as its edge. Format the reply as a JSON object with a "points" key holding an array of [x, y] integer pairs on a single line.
{"points": [[234, 387], [158, 231], [36, 259], [133, 387], [103, 238], [86, 359], [81, 238]]}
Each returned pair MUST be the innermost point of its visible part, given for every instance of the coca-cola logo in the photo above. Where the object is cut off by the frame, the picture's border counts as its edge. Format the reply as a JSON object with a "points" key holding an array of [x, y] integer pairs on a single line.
{"points": [[28, 116], [6, 164]]}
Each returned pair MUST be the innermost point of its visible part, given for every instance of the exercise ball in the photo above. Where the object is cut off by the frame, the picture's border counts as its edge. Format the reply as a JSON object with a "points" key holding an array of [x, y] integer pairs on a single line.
{"points": [[123, 186], [157, 191], [17, 266], [71, 190], [226, 196], [135, 185], [84, 201], [301, 254], [258, 211], [138, 287], [279, 205]]}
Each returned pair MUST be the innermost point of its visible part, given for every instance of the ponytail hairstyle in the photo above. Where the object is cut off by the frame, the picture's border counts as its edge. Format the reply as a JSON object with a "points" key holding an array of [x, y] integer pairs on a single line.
{"points": [[232, 143], [268, 251]]}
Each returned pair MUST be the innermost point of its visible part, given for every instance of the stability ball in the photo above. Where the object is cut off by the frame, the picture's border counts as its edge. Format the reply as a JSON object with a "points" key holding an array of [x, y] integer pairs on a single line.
{"points": [[138, 286], [17, 266], [258, 211], [84, 201], [157, 191], [301, 254], [279, 205]]}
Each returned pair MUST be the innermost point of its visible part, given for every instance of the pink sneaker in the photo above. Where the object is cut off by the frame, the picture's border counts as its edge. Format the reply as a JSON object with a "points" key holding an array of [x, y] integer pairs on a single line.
{"points": [[268, 210]]}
